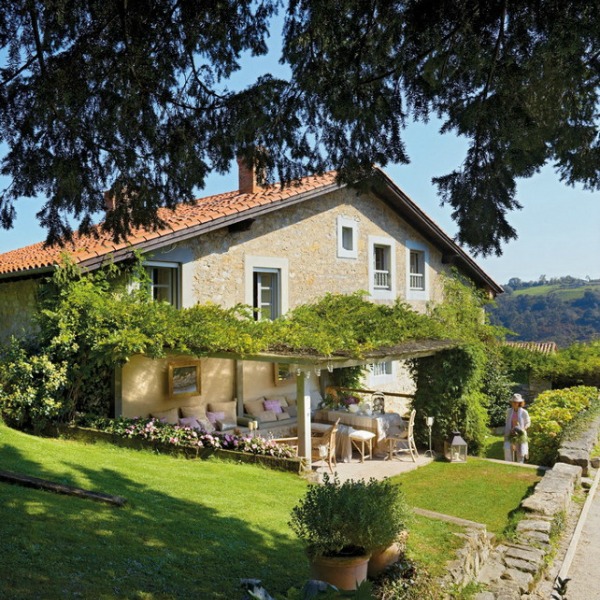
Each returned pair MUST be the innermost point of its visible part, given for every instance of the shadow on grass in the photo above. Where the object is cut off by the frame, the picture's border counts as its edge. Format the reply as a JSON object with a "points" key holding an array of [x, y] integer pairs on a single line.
{"points": [[161, 545]]}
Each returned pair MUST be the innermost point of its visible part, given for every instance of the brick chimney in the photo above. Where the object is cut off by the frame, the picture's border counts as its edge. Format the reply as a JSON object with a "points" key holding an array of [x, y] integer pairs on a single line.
{"points": [[247, 178], [110, 202]]}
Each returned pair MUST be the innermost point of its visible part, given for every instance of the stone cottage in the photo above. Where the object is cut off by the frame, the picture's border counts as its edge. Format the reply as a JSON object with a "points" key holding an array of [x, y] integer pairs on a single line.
{"points": [[271, 248]]}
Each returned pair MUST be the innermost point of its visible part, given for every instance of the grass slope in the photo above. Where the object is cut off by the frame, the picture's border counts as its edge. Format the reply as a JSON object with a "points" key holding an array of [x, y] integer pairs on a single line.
{"points": [[478, 490], [190, 529]]}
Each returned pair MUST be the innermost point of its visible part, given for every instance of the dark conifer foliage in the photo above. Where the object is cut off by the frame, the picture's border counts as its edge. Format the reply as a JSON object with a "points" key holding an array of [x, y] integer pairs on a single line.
{"points": [[131, 97]]}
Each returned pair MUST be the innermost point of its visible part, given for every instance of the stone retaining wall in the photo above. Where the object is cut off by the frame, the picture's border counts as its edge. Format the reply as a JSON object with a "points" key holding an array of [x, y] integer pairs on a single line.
{"points": [[473, 554], [512, 568], [577, 452]]}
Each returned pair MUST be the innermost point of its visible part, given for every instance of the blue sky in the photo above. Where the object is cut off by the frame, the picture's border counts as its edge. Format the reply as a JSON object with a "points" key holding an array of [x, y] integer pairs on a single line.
{"points": [[558, 227]]}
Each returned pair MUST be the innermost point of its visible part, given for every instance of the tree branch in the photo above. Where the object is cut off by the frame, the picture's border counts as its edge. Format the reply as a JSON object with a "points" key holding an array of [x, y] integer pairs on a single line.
{"points": [[38, 42]]}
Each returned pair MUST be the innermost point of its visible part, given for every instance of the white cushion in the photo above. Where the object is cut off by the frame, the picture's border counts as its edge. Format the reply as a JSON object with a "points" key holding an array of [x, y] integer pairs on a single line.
{"points": [[359, 434]]}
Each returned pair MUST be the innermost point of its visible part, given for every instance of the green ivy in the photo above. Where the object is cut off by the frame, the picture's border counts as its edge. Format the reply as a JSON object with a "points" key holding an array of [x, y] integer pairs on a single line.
{"points": [[452, 385], [93, 322]]}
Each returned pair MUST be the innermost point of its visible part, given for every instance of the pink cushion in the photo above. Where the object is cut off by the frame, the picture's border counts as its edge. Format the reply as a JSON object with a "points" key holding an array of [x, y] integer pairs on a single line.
{"points": [[273, 405], [213, 417]]}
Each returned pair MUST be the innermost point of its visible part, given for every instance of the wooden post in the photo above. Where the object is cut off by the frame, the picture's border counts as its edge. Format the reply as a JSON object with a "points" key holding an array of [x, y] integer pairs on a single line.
{"points": [[303, 401]]}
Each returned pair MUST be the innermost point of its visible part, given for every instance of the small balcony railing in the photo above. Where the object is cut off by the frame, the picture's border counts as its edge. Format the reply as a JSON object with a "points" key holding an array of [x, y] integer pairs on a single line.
{"points": [[382, 280], [417, 281]]}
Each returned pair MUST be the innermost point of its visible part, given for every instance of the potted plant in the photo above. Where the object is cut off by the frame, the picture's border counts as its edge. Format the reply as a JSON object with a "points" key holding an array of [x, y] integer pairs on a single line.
{"points": [[342, 524]]}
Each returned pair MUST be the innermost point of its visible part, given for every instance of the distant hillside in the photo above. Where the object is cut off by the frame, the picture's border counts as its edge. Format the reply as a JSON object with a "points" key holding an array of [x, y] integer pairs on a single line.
{"points": [[564, 310]]}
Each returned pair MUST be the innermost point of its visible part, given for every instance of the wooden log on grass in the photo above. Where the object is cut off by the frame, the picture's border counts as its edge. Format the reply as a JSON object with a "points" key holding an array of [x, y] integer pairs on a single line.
{"points": [[60, 488]]}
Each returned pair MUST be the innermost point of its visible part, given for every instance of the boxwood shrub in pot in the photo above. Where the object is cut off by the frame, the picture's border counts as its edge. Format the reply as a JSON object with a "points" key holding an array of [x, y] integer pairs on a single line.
{"points": [[347, 522]]}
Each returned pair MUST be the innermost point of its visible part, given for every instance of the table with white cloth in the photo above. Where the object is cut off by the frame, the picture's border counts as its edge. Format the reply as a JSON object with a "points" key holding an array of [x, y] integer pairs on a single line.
{"points": [[379, 424]]}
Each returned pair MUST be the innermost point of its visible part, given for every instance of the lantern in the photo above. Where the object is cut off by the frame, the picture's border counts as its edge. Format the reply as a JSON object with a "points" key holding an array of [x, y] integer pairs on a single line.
{"points": [[455, 448]]}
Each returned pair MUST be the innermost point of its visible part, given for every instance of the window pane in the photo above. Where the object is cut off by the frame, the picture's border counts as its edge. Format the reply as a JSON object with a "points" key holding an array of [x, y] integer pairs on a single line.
{"points": [[163, 284], [417, 270], [384, 368], [347, 238], [266, 295]]}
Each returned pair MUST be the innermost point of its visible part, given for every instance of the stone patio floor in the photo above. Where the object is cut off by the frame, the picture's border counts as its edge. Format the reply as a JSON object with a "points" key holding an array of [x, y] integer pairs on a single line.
{"points": [[377, 468]]}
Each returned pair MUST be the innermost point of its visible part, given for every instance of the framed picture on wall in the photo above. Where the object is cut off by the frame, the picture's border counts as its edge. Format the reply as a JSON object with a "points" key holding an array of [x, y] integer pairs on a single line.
{"points": [[283, 374], [184, 378]]}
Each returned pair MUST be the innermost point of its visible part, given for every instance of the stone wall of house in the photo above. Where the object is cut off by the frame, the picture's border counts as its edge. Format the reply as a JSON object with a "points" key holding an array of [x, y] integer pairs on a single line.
{"points": [[305, 236], [18, 301]]}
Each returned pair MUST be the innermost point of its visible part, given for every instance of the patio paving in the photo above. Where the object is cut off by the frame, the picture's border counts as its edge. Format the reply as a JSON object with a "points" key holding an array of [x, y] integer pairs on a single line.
{"points": [[377, 468]]}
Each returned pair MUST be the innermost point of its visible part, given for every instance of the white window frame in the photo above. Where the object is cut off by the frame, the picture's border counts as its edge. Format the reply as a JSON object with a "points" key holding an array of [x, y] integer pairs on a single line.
{"points": [[412, 293], [274, 307], [376, 379], [352, 225], [378, 293], [253, 264], [175, 290]]}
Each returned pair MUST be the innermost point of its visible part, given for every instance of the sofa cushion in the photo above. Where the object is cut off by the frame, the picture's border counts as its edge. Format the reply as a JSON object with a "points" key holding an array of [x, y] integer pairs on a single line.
{"points": [[192, 411], [224, 425], [166, 416], [290, 401], [266, 416], [190, 422], [274, 405], [292, 411], [282, 416], [254, 407], [228, 408], [213, 417]]}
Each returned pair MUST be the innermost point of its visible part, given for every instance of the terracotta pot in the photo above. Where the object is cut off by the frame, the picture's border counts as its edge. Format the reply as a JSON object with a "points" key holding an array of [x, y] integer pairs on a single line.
{"points": [[383, 558], [345, 572]]}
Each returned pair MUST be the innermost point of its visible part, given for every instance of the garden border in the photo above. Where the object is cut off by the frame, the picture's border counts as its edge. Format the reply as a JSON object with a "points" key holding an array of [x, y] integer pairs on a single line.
{"points": [[92, 436]]}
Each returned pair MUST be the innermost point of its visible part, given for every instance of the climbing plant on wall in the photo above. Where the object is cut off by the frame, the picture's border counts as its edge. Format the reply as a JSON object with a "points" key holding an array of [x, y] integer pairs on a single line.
{"points": [[451, 384]]}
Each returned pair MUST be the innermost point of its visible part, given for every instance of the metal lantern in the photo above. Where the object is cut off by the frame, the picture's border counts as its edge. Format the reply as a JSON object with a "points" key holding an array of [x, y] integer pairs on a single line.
{"points": [[455, 448]]}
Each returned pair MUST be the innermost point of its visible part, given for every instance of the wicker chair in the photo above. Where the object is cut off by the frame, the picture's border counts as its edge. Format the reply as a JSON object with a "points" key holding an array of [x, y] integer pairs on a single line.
{"points": [[323, 446], [403, 441]]}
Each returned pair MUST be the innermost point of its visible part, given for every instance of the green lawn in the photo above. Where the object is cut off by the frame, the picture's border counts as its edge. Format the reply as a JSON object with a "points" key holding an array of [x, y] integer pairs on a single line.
{"points": [[478, 490], [494, 447], [194, 528], [191, 529]]}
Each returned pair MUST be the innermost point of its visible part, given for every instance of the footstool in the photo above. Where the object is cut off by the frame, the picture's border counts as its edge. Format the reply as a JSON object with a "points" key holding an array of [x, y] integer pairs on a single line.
{"points": [[359, 439]]}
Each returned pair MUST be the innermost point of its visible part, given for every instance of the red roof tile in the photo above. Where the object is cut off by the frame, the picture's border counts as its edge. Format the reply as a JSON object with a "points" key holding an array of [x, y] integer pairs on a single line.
{"points": [[184, 216]]}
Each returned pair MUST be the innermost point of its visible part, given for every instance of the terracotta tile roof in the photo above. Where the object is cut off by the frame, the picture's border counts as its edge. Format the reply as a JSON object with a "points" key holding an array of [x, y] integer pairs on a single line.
{"points": [[183, 217], [542, 347]]}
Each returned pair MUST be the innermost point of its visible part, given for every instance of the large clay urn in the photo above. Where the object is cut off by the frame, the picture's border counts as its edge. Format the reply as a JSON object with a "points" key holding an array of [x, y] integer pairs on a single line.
{"points": [[345, 572]]}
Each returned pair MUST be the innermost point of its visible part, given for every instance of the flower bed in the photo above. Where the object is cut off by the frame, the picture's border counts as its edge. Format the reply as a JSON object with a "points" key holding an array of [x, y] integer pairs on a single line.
{"points": [[192, 443]]}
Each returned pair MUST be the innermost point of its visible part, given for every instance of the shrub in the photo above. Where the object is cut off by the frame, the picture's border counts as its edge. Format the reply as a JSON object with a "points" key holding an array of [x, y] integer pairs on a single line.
{"points": [[354, 517], [498, 387], [552, 415], [31, 389]]}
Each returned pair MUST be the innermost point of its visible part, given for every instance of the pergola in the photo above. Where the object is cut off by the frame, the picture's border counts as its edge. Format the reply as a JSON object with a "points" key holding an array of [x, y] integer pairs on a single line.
{"points": [[305, 364]]}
